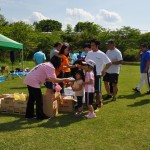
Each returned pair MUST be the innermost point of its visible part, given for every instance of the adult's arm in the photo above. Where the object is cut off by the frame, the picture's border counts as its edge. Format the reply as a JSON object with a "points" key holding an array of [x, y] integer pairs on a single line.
{"points": [[58, 80], [105, 68], [117, 62]]}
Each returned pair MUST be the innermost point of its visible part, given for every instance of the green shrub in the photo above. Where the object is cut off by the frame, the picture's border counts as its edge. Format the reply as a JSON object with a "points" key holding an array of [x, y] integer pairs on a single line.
{"points": [[130, 55]]}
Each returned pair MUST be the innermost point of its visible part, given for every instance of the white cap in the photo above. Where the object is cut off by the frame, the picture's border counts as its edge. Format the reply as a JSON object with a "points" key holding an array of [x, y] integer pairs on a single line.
{"points": [[90, 62]]}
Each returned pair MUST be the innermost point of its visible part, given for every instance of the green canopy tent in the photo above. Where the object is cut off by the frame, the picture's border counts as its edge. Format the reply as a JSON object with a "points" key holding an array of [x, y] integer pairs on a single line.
{"points": [[11, 45]]}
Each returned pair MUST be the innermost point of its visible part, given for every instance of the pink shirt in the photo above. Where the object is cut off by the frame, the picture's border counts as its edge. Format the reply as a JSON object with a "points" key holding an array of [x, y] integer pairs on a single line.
{"points": [[39, 74], [89, 87]]}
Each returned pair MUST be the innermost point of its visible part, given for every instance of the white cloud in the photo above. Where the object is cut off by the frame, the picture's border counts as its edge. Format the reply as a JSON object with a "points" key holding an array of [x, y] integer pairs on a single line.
{"points": [[36, 16], [80, 14], [105, 18], [108, 16]]}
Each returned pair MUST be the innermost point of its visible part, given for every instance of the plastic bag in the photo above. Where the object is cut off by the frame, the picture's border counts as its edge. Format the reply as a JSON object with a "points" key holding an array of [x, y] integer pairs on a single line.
{"points": [[18, 96]]}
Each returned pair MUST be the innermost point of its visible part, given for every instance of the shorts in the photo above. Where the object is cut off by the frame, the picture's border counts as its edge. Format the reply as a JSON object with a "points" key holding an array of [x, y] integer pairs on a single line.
{"points": [[112, 78], [98, 84], [49, 85], [89, 98]]}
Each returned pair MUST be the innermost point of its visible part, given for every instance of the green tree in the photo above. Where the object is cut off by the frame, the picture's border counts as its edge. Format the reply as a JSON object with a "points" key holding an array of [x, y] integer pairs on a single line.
{"points": [[88, 26], [3, 21], [48, 25], [69, 29], [126, 37], [145, 38]]}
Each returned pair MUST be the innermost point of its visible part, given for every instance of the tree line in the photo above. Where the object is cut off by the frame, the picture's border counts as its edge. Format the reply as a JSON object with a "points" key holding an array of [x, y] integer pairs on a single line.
{"points": [[43, 35]]}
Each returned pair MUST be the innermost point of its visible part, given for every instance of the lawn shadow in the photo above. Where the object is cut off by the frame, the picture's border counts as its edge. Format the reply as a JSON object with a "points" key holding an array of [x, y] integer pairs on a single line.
{"points": [[140, 103], [18, 88], [106, 101], [17, 124], [131, 96], [62, 120], [20, 123]]}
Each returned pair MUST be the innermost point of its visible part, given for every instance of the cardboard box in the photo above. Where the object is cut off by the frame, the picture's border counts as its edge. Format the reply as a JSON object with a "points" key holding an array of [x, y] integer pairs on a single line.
{"points": [[6, 95], [7, 105], [0, 103], [20, 107], [68, 104], [50, 105]]}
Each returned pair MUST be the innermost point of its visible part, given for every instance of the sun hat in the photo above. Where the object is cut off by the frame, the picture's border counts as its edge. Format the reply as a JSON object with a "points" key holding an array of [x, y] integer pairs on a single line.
{"points": [[89, 62]]}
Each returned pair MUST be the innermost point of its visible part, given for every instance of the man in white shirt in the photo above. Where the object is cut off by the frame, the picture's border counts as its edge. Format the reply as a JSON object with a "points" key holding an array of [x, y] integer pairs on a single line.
{"points": [[112, 73], [55, 51], [101, 60]]}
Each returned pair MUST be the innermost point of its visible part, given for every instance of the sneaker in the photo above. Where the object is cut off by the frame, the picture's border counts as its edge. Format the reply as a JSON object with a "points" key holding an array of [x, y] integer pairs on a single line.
{"points": [[87, 115], [113, 99], [136, 90], [107, 97], [31, 117], [96, 110], [78, 113], [100, 104], [28, 118], [91, 115], [43, 118]]}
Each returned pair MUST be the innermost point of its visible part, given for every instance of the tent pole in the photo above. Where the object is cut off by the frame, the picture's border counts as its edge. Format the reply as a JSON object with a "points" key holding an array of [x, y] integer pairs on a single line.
{"points": [[22, 60]]}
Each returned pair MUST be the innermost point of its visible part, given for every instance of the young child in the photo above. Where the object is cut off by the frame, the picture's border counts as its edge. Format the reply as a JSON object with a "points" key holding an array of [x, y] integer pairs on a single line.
{"points": [[77, 87], [90, 70]]}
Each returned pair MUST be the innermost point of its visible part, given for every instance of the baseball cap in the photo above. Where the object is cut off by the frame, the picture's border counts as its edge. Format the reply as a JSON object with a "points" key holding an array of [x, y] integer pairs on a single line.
{"points": [[110, 42], [89, 62]]}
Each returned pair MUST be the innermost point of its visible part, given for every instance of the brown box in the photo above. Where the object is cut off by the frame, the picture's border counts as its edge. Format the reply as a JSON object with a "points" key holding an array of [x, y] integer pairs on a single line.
{"points": [[20, 107], [68, 104], [50, 105], [6, 95], [7, 105], [0, 103]]}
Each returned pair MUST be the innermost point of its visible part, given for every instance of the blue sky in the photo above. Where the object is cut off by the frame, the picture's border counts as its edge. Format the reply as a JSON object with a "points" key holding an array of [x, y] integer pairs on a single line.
{"points": [[110, 14]]}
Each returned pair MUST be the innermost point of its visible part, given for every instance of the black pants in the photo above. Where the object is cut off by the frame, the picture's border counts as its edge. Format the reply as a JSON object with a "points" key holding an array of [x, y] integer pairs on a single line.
{"points": [[35, 95], [79, 101]]}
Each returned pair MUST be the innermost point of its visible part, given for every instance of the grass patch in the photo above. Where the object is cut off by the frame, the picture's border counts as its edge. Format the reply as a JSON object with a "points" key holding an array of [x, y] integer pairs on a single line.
{"points": [[120, 125]]}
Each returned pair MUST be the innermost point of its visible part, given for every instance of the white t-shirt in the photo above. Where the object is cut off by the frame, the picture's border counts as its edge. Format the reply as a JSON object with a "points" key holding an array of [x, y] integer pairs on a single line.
{"points": [[114, 55], [89, 87], [53, 53], [100, 58]]}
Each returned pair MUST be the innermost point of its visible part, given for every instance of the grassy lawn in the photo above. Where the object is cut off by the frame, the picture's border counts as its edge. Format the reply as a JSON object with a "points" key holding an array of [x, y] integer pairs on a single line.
{"points": [[120, 125]]}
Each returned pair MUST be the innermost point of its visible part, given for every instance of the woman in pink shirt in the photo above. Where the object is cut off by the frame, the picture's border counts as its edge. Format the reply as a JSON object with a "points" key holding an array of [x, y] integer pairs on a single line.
{"points": [[37, 76]]}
